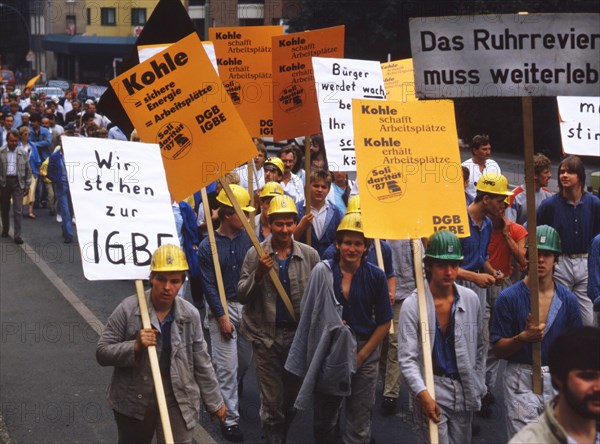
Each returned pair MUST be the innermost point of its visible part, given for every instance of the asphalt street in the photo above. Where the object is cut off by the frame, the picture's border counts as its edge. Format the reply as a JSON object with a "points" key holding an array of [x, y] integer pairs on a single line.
{"points": [[51, 388]]}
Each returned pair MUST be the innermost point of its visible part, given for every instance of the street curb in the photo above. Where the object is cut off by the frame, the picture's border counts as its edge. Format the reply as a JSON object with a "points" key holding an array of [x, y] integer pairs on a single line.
{"points": [[4, 434]]}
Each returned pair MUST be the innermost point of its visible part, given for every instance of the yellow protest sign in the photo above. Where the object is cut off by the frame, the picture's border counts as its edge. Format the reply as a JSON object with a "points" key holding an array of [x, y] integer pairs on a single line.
{"points": [[244, 58], [408, 168], [399, 80], [176, 99], [295, 105]]}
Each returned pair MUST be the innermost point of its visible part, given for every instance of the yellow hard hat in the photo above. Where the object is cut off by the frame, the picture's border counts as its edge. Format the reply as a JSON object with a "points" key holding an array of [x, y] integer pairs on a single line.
{"points": [[351, 222], [241, 195], [271, 189], [493, 183], [276, 162], [282, 204], [168, 258], [353, 204]]}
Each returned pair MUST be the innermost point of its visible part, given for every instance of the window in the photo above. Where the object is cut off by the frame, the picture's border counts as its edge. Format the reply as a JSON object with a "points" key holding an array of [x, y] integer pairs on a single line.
{"points": [[200, 28], [138, 16], [89, 16], [71, 25], [252, 22], [108, 16]]}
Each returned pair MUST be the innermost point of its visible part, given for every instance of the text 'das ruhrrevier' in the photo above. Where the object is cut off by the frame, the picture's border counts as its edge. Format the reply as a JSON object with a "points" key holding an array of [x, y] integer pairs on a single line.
{"points": [[506, 55]]}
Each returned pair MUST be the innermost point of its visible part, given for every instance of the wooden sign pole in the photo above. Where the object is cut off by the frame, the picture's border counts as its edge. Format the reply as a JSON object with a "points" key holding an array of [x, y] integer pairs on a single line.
{"points": [[215, 254], [154, 366], [251, 190], [526, 103], [307, 170], [259, 250], [379, 256], [424, 329]]}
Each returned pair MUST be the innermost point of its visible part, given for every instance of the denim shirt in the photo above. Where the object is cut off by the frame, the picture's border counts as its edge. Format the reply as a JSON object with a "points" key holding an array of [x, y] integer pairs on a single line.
{"points": [[231, 257]]}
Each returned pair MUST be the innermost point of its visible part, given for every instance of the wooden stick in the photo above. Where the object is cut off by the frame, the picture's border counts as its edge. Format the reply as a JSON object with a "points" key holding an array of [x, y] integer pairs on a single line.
{"points": [[379, 256], [213, 248], [259, 250], [536, 348], [424, 329], [251, 190], [307, 166], [154, 366]]}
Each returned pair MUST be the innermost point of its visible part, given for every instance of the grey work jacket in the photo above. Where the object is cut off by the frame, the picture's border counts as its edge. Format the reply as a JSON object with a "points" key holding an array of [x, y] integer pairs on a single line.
{"points": [[23, 167], [259, 298], [468, 344], [324, 349], [192, 374]]}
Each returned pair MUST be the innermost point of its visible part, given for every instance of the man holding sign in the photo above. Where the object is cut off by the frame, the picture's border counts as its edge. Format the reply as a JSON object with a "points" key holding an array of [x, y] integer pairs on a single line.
{"points": [[230, 351], [361, 292], [187, 373], [266, 321], [457, 350], [513, 332]]}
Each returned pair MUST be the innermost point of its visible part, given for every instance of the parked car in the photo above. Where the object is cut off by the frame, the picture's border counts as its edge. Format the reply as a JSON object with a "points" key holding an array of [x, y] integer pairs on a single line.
{"points": [[59, 83], [8, 78], [77, 87], [92, 92], [49, 91]]}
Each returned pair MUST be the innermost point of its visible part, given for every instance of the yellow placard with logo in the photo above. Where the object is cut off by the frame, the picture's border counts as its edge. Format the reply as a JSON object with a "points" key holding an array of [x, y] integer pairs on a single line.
{"points": [[399, 80], [408, 168], [177, 100]]}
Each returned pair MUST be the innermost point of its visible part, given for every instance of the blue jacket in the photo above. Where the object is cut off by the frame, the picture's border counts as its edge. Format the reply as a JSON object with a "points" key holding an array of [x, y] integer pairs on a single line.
{"points": [[41, 142], [333, 219], [386, 253], [34, 161], [56, 170], [189, 230], [231, 257]]}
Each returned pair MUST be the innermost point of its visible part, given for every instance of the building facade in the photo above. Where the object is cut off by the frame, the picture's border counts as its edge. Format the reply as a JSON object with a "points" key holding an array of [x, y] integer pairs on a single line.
{"points": [[84, 41]]}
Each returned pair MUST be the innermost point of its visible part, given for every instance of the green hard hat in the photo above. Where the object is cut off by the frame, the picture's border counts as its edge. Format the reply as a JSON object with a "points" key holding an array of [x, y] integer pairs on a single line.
{"points": [[444, 245], [547, 239]]}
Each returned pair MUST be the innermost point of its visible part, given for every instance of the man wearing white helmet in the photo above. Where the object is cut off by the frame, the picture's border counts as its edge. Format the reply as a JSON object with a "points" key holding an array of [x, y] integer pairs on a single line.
{"points": [[231, 352], [186, 369]]}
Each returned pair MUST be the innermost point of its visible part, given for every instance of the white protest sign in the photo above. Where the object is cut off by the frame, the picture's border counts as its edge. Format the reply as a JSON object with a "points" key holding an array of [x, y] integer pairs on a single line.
{"points": [[506, 55], [580, 125], [147, 51], [338, 81], [122, 204]]}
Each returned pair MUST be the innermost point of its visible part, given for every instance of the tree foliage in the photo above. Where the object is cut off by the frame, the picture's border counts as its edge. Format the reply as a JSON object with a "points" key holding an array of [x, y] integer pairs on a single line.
{"points": [[376, 28]]}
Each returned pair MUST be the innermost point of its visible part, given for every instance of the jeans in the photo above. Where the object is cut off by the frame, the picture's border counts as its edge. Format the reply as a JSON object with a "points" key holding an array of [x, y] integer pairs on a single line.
{"points": [[231, 358], [63, 199]]}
